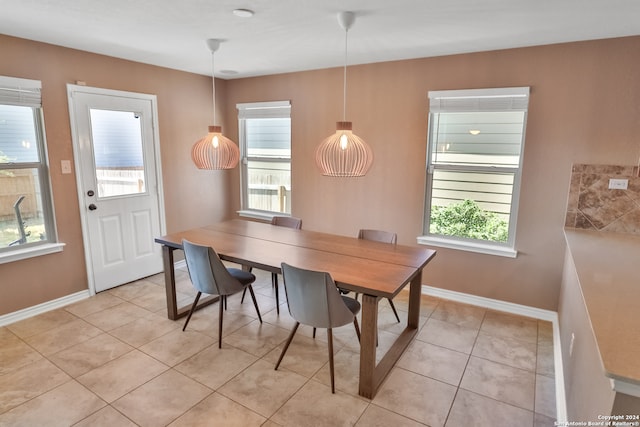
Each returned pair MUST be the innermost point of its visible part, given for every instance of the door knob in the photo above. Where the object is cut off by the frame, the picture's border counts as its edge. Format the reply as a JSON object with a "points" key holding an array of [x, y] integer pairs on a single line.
{"points": [[92, 207]]}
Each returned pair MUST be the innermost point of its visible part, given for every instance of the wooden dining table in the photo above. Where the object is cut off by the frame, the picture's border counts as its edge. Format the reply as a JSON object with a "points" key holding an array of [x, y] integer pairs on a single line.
{"points": [[373, 269]]}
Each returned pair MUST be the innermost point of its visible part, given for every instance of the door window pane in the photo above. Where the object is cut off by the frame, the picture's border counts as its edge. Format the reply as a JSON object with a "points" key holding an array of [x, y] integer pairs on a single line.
{"points": [[117, 150]]}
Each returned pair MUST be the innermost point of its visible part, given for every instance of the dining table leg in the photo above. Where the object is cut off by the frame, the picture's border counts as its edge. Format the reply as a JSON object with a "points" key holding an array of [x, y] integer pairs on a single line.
{"points": [[170, 282], [415, 297], [173, 311], [368, 345], [371, 374]]}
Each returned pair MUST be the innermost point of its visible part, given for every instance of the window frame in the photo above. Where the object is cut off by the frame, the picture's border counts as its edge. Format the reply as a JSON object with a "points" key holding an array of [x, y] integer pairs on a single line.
{"points": [[475, 100], [258, 110], [27, 93]]}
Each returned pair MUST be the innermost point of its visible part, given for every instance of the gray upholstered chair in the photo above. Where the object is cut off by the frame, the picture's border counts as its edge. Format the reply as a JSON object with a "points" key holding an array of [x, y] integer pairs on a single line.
{"points": [[287, 221], [280, 221], [314, 300], [210, 276], [384, 237]]}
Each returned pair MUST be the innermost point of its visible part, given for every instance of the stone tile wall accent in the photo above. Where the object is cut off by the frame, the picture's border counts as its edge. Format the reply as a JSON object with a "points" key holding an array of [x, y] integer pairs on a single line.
{"points": [[593, 206]]}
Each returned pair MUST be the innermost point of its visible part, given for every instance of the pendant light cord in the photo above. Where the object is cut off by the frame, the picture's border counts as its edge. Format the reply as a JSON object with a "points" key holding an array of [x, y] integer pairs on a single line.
{"points": [[344, 96], [213, 85]]}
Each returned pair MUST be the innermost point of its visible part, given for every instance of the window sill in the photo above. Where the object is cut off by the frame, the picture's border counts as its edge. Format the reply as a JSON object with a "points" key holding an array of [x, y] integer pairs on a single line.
{"points": [[31, 252], [265, 216], [468, 246]]}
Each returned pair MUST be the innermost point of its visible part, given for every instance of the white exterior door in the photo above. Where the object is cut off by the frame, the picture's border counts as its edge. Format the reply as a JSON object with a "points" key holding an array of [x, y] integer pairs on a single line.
{"points": [[119, 187]]}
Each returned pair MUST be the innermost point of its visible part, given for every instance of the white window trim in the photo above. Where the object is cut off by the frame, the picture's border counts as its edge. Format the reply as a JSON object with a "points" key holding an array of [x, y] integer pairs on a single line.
{"points": [[27, 92], [248, 110], [31, 252], [465, 100], [469, 246], [255, 214]]}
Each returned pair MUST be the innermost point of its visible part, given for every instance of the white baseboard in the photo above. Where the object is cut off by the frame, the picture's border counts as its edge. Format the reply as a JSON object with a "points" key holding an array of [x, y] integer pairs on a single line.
{"points": [[42, 308], [521, 310], [509, 307]]}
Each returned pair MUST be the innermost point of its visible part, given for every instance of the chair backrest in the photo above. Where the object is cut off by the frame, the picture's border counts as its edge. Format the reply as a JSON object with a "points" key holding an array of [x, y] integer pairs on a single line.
{"points": [[207, 272], [314, 299], [378, 236], [287, 221]]}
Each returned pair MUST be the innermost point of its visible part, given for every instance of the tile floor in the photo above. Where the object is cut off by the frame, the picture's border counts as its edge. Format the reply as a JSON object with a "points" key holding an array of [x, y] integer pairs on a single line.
{"points": [[116, 360]]}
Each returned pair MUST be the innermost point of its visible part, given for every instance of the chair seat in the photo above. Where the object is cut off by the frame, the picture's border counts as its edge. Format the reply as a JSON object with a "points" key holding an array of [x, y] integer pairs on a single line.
{"points": [[314, 300], [242, 276], [209, 275], [352, 304]]}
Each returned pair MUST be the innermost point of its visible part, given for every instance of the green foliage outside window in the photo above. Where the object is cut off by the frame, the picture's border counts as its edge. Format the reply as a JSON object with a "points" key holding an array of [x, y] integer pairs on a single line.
{"points": [[5, 159], [467, 219]]}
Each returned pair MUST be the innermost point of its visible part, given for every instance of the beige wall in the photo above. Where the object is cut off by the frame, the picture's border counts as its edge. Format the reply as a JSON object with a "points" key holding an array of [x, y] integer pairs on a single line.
{"points": [[588, 391], [583, 109], [192, 197]]}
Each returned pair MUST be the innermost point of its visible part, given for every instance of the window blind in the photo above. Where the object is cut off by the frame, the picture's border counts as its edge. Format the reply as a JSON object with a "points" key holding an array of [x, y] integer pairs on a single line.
{"points": [[22, 92], [474, 100], [264, 110]]}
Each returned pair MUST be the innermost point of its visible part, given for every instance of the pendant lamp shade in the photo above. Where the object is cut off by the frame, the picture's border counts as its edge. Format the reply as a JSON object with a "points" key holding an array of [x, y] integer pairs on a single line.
{"points": [[215, 151], [344, 154]]}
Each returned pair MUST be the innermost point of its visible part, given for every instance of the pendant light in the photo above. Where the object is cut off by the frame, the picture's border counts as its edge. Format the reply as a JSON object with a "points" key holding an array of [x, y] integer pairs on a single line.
{"points": [[215, 151], [344, 154]]}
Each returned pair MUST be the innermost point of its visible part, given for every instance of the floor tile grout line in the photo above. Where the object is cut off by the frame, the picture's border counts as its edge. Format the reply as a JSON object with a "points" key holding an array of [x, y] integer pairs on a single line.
{"points": [[459, 386], [308, 379]]}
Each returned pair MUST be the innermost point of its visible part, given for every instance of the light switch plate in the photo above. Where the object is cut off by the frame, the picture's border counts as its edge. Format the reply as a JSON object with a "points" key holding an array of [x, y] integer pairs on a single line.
{"points": [[618, 184], [66, 166]]}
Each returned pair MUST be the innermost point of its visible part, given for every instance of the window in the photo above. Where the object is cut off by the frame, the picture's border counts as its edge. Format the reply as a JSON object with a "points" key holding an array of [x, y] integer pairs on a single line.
{"points": [[26, 214], [117, 152], [474, 159], [265, 151]]}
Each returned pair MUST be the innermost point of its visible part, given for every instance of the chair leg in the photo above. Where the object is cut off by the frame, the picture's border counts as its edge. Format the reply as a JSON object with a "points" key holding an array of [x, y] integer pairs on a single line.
{"points": [[222, 298], [244, 292], [193, 308], [274, 282], [393, 307], [286, 346], [255, 303], [355, 324], [314, 333], [330, 345]]}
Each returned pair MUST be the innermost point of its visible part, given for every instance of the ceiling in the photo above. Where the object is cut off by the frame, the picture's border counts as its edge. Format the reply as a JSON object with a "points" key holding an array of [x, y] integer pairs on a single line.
{"points": [[295, 35]]}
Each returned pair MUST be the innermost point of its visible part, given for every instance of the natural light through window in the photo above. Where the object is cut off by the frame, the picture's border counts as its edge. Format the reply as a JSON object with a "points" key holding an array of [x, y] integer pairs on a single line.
{"points": [[265, 151], [26, 215], [474, 159]]}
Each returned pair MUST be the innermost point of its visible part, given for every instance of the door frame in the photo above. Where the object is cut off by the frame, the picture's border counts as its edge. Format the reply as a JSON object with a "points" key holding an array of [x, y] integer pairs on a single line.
{"points": [[71, 89]]}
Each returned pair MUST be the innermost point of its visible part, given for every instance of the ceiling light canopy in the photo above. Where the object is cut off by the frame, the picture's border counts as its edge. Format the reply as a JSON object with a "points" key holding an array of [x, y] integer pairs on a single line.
{"points": [[243, 13], [344, 154], [215, 151]]}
